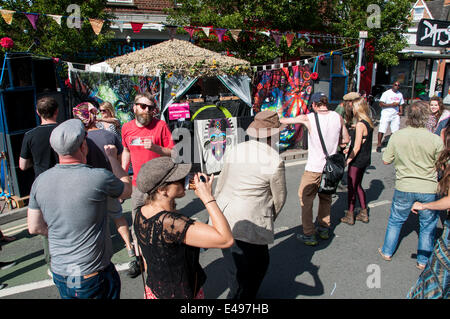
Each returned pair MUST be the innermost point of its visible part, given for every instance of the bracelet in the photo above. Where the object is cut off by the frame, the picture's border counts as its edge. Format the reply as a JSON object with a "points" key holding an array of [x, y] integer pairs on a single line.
{"points": [[212, 200]]}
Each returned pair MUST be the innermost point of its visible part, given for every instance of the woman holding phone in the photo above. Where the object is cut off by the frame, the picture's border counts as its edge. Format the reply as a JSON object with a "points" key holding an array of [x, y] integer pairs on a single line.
{"points": [[169, 241]]}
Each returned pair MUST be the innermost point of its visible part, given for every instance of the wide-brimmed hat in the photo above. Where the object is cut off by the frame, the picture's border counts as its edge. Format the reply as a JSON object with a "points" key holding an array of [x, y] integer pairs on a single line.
{"points": [[265, 124], [158, 171], [351, 96]]}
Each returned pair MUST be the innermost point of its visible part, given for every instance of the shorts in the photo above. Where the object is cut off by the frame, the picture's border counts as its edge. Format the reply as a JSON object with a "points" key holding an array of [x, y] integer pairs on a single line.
{"points": [[386, 119]]}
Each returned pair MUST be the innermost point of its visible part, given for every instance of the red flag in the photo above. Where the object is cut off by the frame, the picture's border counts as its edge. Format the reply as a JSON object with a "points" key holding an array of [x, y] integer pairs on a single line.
{"points": [[289, 37], [136, 26]]}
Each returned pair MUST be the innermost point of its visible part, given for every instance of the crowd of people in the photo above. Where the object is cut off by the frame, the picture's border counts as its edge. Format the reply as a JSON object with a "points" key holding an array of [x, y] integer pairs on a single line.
{"points": [[82, 167]]}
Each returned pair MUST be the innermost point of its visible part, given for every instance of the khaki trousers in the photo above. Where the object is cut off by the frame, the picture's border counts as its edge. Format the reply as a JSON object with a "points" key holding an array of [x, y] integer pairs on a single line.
{"points": [[309, 186]]}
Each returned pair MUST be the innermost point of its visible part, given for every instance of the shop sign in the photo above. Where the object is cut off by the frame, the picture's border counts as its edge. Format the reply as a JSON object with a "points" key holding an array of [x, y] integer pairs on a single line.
{"points": [[433, 33]]}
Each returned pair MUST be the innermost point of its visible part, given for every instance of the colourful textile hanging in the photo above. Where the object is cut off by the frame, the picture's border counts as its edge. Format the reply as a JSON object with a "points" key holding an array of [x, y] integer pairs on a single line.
{"points": [[285, 91], [118, 89]]}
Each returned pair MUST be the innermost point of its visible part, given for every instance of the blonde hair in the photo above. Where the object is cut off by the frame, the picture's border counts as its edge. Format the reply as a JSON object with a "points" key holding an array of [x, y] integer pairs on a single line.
{"points": [[109, 107], [361, 109]]}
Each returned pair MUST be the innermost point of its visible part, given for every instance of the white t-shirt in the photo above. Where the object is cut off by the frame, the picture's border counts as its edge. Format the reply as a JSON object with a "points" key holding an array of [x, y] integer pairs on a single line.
{"points": [[389, 97]]}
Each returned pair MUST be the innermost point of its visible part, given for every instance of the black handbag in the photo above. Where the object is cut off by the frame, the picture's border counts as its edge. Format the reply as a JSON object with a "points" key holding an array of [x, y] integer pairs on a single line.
{"points": [[333, 170]]}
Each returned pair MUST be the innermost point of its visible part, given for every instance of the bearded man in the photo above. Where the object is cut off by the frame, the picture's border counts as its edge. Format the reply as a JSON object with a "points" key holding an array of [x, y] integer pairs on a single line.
{"points": [[143, 139]]}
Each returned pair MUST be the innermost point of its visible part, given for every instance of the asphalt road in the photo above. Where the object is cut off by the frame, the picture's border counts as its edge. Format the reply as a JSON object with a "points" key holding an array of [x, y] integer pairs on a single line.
{"points": [[347, 266]]}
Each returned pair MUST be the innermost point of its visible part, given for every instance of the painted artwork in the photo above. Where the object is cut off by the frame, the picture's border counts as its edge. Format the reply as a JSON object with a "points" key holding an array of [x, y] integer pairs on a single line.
{"points": [[118, 89], [214, 137], [285, 91]]}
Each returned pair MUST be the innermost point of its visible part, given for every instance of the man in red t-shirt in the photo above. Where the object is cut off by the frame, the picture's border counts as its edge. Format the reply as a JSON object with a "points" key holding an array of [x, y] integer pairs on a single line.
{"points": [[143, 139]]}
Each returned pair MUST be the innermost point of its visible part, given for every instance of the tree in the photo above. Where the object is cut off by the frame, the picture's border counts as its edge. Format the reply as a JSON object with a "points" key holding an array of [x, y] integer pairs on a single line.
{"points": [[344, 18], [280, 15], [51, 39]]}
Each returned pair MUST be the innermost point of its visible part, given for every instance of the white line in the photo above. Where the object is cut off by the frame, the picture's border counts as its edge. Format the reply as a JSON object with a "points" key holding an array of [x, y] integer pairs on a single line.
{"points": [[334, 288], [383, 202], [42, 284]]}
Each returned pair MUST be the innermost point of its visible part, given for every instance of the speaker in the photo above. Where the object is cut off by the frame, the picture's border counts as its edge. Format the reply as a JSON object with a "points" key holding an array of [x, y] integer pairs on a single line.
{"points": [[20, 181], [44, 75], [64, 111], [20, 113], [20, 69]]}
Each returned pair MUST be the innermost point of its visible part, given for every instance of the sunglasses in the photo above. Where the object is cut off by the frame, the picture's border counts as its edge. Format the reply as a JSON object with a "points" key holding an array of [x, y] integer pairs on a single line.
{"points": [[397, 85], [103, 111], [145, 106]]}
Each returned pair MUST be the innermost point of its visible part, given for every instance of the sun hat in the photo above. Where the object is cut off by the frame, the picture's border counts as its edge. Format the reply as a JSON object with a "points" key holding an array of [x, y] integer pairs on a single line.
{"points": [[158, 171], [67, 137], [266, 123], [351, 96]]}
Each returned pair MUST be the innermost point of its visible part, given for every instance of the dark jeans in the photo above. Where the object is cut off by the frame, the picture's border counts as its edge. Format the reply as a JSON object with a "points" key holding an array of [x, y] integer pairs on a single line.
{"points": [[105, 285], [246, 266]]}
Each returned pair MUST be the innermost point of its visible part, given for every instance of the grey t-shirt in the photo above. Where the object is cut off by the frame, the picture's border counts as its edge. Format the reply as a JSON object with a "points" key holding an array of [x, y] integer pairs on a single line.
{"points": [[73, 199]]}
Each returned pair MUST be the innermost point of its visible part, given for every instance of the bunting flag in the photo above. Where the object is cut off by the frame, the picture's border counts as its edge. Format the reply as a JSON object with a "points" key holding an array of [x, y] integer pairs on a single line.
{"points": [[220, 33], [57, 18], [7, 15], [136, 26], [206, 30], [120, 25], [172, 31], [32, 18], [235, 34], [189, 30], [96, 25], [277, 37], [289, 37]]}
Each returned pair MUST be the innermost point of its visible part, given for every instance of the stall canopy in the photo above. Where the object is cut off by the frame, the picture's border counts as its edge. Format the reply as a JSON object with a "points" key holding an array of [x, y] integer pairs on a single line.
{"points": [[179, 64]]}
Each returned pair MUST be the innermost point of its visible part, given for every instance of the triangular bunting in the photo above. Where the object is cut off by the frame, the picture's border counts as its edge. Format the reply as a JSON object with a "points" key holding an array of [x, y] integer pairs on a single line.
{"points": [[220, 33], [7, 15], [277, 37], [96, 25], [119, 24], [289, 37], [172, 31], [235, 34], [32, 18], [57, 18], [206, 30], [189, 30], [136, 26]]}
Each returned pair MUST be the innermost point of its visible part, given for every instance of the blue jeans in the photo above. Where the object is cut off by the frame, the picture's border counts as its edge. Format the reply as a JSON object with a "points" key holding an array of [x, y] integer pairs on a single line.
{"points": [[104, 285], [400, 210]]}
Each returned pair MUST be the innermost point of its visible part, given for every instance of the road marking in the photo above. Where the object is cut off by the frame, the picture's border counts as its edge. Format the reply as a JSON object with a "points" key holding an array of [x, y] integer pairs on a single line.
{"points": [[42, 284], [380, 203], [11, 231]]}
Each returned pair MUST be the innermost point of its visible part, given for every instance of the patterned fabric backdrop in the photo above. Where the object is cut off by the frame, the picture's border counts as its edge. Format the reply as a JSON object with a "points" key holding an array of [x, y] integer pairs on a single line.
{"points": [[285, 91], [117, 89]]}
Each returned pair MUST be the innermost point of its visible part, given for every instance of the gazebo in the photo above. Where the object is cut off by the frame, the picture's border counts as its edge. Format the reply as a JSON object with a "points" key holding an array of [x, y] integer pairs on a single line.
{"points": [[180, 64]]}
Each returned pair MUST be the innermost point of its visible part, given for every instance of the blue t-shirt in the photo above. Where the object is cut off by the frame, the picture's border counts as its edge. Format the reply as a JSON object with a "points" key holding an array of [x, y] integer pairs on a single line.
{"points": [[73, 202]]}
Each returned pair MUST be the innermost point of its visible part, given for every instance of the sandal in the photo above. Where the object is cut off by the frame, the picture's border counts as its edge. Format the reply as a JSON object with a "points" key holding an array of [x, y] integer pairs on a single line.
{"points": [[420, 266], [7, 239], [387, 258]]}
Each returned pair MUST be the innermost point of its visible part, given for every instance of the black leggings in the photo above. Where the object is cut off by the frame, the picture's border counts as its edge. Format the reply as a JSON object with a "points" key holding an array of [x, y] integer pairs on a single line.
{"points": [[355, 176]]}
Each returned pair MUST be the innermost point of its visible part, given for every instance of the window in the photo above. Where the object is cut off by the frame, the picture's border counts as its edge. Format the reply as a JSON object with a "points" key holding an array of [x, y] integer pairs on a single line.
{"points": [[418, 13]]}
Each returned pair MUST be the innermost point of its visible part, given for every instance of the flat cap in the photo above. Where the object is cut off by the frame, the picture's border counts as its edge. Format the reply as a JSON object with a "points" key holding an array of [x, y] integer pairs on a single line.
{"points": [[67, 137], [351, 96]]}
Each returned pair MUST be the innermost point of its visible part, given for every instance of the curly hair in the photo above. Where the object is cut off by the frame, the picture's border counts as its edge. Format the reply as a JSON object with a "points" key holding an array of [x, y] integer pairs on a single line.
{"points": [[442, 167]]}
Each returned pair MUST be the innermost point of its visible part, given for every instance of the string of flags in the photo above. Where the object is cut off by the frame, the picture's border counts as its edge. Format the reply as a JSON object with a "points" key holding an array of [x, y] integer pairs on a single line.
{"points": [[97, 25]]}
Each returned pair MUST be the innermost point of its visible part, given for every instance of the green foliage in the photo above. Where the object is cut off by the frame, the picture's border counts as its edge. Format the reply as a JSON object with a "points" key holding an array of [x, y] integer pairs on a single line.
{"points": [[58, 41], [281, 15], [343, 18]]}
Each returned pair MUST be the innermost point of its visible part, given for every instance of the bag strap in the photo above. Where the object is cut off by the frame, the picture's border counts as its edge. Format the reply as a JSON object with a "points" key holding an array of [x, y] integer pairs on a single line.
{"points": [[320, 135]]}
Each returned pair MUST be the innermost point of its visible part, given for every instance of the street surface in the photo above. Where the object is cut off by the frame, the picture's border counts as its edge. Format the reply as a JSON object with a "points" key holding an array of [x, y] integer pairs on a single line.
{"points": [[345, 266]]}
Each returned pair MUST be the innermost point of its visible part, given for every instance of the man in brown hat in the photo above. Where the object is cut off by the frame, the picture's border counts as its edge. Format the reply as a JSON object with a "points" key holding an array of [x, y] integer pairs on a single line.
{"points": [[334, 134], [251, 191]]}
